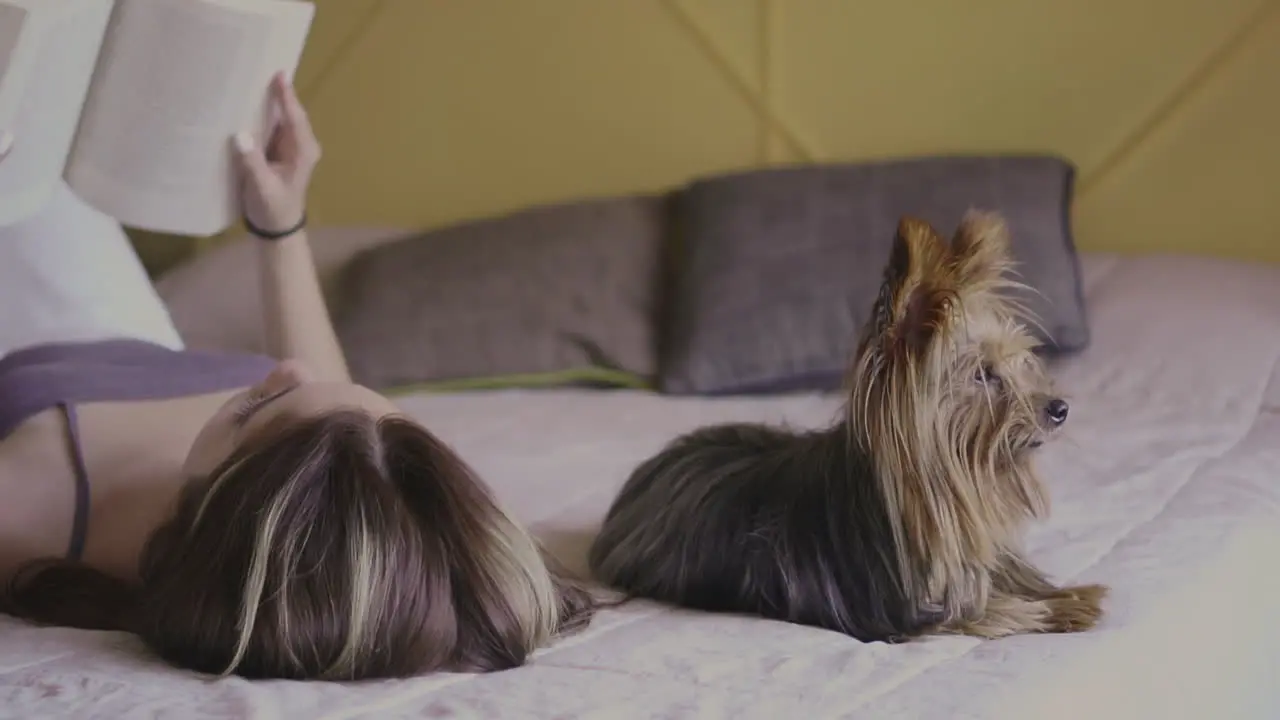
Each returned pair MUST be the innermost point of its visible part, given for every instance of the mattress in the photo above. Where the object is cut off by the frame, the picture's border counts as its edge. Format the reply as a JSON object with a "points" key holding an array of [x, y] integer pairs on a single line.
{"points": [[1166, 486]]}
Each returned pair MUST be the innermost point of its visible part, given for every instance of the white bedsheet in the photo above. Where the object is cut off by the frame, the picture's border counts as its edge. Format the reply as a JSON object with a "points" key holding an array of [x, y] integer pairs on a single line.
{"points": [[1166, 487]]}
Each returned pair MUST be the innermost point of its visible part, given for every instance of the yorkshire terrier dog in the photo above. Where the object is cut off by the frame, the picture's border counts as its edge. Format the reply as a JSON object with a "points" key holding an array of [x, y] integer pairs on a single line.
{"points": [[904, 518]]}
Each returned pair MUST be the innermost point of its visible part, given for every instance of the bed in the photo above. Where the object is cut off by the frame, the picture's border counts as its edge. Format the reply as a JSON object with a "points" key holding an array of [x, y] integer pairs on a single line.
{"points": [[1166, 487]]}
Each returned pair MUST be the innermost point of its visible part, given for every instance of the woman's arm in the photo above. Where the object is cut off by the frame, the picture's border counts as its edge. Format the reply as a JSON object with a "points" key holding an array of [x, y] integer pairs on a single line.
{"points": [[274, 195], [296, 319]]}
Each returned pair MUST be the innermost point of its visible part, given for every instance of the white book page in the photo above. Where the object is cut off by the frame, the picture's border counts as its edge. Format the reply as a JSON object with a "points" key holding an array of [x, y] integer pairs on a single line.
{"points": [[288, 40], [15, 24], [13, 18], [46, 79], [176, 81]]}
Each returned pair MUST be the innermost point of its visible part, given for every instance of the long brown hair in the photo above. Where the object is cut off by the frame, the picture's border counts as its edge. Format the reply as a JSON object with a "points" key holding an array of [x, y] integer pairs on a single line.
{"points": [[341, 547]]}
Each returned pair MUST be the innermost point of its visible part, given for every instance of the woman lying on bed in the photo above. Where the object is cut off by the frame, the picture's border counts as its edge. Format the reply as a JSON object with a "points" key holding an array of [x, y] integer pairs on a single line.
{"points": [[242, 515]]}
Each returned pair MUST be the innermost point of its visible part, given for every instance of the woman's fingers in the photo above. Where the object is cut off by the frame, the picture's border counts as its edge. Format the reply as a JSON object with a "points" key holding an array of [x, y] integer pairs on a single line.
{"points": [[253, 163], [295, 123], [275, 176]]}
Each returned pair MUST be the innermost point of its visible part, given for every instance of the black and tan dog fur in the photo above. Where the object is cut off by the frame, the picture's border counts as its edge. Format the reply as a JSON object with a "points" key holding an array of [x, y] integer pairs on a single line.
{"points": [[905, 517]]}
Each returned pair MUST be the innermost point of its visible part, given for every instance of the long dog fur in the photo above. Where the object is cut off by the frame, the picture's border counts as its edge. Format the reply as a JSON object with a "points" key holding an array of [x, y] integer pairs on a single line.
{"points": [[905, 517]]}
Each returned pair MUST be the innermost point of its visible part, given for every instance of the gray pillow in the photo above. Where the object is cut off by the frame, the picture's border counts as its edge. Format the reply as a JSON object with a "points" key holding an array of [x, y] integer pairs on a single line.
{"points": [[778, 268], [552, 295]]}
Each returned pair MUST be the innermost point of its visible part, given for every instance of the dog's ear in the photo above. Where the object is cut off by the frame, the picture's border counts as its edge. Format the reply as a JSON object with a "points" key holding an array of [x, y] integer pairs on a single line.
{"points": [[917, 283], [980, 248]]}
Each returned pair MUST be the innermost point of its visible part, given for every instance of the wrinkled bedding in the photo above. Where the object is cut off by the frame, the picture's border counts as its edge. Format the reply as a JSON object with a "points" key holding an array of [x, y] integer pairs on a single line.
{"points": [[1166, 486]]}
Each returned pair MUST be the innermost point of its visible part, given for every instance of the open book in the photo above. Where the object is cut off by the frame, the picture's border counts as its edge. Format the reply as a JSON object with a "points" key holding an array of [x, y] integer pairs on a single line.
{"points": [[134, 102]]}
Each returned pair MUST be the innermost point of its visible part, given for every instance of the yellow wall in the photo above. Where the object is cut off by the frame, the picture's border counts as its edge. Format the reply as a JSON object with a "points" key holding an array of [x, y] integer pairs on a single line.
{"points": [[434, 111]]}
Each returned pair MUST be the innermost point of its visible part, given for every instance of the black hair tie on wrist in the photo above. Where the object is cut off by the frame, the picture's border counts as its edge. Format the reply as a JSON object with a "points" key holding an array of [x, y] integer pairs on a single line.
{"points": [[269, 235]]}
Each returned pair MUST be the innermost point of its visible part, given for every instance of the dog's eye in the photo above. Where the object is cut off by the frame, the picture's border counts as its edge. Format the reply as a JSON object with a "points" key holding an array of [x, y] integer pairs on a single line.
{"points": [[987, 375]]}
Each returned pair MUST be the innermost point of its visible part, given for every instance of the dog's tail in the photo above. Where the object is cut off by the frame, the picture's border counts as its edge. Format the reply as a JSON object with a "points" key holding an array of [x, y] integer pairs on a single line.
{"points": [[579, 599]]}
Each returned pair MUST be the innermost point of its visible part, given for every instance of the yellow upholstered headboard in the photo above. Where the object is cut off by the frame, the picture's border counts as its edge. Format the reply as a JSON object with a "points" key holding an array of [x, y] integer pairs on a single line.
{"points": [[435, 111]]}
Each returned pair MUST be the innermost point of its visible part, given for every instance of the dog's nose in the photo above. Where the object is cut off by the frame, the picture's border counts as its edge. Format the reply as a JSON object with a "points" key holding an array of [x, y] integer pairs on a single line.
{"points": [[1057, 411]]}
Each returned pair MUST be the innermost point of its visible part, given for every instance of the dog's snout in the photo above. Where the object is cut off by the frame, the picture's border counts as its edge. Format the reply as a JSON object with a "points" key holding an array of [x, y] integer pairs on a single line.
{"points": [[1056, 410]]}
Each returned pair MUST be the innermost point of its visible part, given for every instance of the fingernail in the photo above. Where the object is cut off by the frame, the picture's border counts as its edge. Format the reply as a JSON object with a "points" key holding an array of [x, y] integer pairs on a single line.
{"points": [[244, 142]]}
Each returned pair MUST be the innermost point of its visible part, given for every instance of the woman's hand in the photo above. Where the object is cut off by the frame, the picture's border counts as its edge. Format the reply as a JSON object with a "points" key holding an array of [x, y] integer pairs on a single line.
{"points": [[274, 182]]}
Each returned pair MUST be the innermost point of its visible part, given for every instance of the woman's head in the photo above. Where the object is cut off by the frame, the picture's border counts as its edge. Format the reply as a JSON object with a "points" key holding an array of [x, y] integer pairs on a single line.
{"points": [[289, 393], [325, 536]]}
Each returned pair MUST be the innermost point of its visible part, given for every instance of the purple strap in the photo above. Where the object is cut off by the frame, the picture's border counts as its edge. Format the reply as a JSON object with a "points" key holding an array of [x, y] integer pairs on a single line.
{"points": [[65, 375], [80, 520]]}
